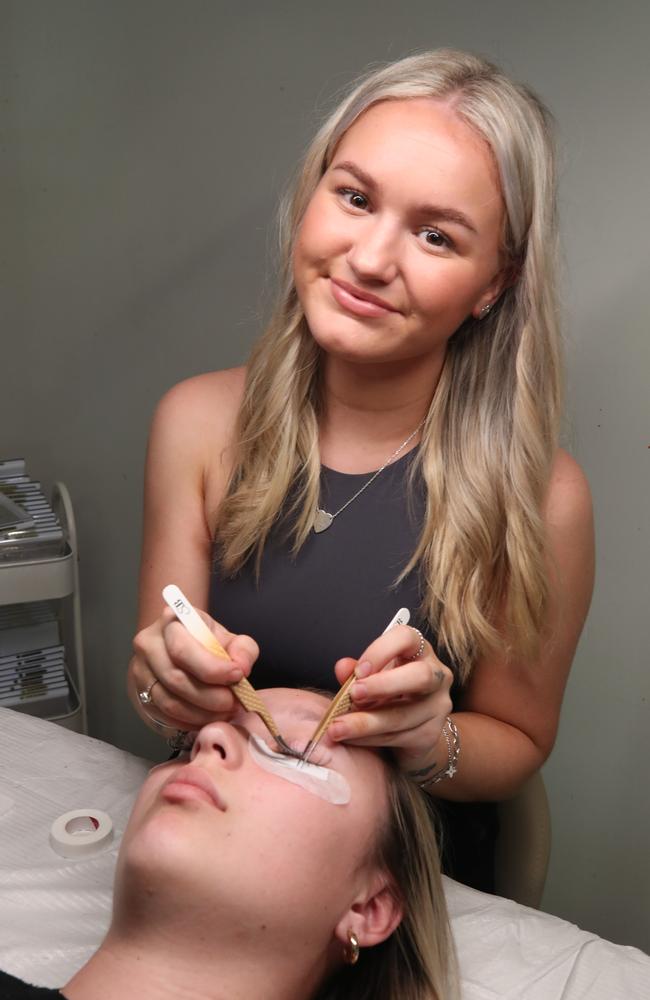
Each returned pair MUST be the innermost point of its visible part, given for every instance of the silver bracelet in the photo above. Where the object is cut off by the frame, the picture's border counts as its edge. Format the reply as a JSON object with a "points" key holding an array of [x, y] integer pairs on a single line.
{"points": [[425, 777], [183, 739], [178, 739]]}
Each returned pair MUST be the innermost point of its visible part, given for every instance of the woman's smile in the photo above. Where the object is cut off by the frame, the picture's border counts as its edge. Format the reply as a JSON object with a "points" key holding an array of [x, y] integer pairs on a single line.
{"points": [[356, 301]]}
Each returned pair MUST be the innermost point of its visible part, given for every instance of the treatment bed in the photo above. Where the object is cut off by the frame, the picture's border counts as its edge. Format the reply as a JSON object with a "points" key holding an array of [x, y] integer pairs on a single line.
{"points": [[54, 912]]}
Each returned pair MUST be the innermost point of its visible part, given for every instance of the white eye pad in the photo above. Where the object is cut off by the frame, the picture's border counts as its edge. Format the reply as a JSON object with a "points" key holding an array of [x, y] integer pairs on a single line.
{"points": [[321, 781]]}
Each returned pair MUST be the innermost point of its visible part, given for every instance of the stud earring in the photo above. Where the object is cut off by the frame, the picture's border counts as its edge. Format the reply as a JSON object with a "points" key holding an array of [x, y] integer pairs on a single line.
{"points": [[485, 310], [351, 950]]}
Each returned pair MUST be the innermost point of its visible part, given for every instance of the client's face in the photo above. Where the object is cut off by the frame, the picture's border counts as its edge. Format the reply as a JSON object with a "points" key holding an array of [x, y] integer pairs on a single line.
{"points": [[219, 835]]}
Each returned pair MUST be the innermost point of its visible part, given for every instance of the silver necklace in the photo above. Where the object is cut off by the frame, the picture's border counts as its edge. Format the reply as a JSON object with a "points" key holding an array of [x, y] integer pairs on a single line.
{"points": [[323, 518]]}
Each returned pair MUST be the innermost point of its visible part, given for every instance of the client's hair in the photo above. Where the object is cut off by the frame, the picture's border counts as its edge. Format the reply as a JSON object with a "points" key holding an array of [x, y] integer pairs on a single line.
{"points": [[417, 962]]}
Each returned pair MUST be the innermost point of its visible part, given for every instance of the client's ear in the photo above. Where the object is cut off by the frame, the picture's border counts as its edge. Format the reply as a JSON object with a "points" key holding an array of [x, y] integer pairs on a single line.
{"points": [[373, 916]]}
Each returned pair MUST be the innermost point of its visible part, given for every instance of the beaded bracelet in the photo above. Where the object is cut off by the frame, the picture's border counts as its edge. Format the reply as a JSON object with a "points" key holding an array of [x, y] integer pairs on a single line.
{"points": [[178, 741], [425, 777]]}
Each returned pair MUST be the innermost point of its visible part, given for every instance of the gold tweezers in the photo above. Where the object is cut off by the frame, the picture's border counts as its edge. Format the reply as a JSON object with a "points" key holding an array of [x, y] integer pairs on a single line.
{"points": [[342, 699], [243, 689]]}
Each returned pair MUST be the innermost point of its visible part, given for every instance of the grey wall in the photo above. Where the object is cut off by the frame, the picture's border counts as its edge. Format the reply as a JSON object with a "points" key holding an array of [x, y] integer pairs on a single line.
{"points": [[143, 148]]}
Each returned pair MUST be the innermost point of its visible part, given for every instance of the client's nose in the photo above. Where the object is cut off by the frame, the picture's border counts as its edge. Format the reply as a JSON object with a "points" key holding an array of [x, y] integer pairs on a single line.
{"points": [[218, 740]]}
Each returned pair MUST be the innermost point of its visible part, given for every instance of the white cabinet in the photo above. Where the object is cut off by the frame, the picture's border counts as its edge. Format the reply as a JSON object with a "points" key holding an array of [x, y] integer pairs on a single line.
{"points": [[55, 580]]}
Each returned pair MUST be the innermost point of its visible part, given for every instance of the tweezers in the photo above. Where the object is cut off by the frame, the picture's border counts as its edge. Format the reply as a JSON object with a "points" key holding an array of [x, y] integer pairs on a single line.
{"points": [[243, 689], [342, 699]]}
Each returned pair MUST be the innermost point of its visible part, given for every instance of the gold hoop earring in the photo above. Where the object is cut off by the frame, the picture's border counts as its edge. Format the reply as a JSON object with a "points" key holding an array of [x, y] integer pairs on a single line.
{"points": [[351, 950]]}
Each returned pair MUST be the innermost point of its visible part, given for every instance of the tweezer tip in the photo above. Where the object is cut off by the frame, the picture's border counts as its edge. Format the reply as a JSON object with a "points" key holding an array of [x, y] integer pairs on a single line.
{"points": [[306, 754]]}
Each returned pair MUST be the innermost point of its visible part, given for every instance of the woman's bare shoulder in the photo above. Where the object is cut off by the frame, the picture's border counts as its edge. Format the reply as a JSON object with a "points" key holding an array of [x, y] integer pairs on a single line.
{"points": [[569, 522], [194, 421], [569, 497], [204, 395], [189, 453], [202, 408]]}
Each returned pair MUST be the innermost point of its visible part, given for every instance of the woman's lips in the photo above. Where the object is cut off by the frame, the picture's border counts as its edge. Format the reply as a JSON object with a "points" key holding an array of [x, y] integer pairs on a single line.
{"points": [[360, 303], [192, 782]]}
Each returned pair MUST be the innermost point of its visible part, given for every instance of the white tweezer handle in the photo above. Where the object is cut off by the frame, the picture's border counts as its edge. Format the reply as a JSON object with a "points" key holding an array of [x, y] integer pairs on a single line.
{"points": [[191, 619], [402, 617], [342, 700]]}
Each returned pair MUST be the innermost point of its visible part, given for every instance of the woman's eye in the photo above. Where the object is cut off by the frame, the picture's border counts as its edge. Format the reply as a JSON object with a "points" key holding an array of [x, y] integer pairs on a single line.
{"points": [[436, 240], [353, 198]]}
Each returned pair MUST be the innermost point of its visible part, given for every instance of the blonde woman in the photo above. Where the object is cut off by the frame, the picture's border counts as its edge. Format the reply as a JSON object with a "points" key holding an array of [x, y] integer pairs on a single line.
{"points": [[393, 441], [233, 882]]}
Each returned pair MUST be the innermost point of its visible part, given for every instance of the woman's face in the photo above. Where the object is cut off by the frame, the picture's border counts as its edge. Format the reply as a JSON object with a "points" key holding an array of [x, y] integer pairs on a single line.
{"points": [[217, 834], [401, 239]]}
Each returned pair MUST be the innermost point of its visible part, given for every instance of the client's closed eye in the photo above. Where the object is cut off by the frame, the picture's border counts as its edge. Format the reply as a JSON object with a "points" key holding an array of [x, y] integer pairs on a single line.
{"points": [[320, 757], [315, 778]]}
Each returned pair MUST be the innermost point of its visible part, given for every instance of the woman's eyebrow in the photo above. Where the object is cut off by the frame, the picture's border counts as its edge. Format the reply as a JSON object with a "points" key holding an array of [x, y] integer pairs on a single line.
{"points": [[430, 211], [356, 171]]}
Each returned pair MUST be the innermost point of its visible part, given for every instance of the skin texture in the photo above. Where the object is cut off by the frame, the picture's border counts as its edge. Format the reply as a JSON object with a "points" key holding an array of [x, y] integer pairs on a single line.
{"points": [[235, 866], [263, 818], [379, 374], [367, 227]]}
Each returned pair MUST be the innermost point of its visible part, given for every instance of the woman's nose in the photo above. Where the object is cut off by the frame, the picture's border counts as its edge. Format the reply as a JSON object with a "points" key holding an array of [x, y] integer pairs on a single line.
{"points": [[219, 741], [373, 255]]}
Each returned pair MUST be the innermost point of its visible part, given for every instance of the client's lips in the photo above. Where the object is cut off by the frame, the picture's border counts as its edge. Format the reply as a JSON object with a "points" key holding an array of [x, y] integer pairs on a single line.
{"points": [[193, 777]]}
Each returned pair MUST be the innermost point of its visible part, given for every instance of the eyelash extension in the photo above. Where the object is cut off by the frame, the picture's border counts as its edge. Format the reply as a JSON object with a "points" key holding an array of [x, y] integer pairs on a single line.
{"points": [[320, 759]]}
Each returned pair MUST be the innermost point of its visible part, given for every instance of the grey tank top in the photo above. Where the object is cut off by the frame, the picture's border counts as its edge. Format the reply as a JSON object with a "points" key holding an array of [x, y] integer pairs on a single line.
{"points": [[332, 600], [338, 593]]}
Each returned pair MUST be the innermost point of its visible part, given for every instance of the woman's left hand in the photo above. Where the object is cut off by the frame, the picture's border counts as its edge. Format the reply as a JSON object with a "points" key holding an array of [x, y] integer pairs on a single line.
{"points": [[404, 707]]}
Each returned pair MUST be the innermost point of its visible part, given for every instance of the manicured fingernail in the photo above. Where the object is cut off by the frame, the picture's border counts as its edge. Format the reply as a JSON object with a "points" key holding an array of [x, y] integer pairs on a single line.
{"points": [[337, 731], [359, 691], [236, 675], [363, 669]]}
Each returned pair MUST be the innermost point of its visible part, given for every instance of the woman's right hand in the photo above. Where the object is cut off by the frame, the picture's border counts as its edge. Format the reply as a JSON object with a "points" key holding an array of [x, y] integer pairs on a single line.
{"points": [[192, 685]]}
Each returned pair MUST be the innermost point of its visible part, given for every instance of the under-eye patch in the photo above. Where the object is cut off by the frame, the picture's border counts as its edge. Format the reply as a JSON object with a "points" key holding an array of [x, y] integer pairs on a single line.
{"points": [[321, 781]]}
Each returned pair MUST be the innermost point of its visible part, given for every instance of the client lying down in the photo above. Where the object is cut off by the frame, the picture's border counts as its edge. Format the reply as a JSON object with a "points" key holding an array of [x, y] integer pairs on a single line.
{"points": [[241, 874]]}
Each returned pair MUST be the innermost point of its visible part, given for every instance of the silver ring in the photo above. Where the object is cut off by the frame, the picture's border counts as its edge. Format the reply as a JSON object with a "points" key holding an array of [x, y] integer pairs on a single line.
{"points": [[145, 696], [422, 642]]}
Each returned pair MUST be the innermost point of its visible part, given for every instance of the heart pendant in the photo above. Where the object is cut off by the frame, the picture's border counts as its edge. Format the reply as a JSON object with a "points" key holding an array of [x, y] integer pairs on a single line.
{"points": [[322, 520]]}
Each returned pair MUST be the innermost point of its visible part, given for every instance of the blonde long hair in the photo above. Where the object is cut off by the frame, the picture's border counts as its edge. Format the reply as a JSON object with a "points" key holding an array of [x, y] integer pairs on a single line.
{"points": [[418, 961], [492, 427]]}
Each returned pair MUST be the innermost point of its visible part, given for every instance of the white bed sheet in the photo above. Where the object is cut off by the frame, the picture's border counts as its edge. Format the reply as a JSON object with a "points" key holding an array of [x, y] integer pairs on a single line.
{"points": [[54, 913]]}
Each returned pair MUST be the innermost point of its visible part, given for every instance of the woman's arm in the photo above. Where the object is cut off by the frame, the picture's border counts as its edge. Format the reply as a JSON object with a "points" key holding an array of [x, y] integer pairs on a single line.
{"points": [[508, 716], [186, 472], [176, 535]]}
